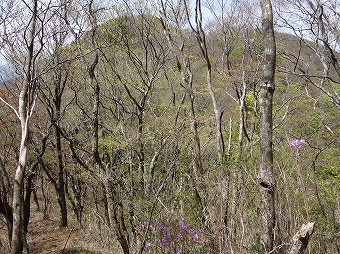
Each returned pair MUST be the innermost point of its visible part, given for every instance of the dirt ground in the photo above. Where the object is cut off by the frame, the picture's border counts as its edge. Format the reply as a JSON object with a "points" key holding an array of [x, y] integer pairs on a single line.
{"points": [[46, 237]]}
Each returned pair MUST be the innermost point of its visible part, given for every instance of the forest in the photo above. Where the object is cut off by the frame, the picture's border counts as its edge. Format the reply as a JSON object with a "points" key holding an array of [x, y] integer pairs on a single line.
{"points": [[169, 126]]}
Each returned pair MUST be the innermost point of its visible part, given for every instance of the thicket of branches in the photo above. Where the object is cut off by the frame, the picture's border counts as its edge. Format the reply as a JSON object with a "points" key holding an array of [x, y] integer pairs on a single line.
{"points": [[140, 120]]}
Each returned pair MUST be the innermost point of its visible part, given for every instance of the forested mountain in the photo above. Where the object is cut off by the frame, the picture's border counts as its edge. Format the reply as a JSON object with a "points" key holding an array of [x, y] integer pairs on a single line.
{"points": [[156, 127]]}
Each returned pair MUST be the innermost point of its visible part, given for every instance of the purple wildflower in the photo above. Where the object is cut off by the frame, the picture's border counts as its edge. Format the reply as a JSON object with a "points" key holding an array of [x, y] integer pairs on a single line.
{"points": [[192, 233], [182, 226], [166, 240], [159, 227], [296, 143], [166, 230], [147, 245], [270, 174], [144, 224], [179, 235], [249, 246]]}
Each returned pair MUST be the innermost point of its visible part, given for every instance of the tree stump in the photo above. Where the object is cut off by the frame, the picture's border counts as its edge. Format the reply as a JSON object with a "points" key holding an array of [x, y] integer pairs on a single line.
{"points": [[301, 239]]}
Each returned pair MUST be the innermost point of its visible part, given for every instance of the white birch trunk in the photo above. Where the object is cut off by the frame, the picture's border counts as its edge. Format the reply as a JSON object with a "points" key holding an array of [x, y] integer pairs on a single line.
{"points": [[24, 112]]}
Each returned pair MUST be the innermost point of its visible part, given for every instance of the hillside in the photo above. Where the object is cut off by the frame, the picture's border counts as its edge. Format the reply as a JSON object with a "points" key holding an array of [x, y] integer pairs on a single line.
{"points": [[136, 131]]}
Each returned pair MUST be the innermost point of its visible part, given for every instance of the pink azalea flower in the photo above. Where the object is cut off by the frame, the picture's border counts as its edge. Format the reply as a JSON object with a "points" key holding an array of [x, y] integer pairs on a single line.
{"points": [[296, 143], [147, 245]]}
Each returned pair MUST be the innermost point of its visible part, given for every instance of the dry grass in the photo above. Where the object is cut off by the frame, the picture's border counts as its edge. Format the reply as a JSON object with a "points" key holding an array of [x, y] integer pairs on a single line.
{"points": [[46, 237]]}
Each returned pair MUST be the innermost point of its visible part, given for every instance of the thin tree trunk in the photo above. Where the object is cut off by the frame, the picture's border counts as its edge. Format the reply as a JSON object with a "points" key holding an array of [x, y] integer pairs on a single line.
{"points": [[24, 115], [18, 185], [266, 175], [198, 165], [200, 35], [5, 208], [183, 65], [61, 181], [242, 110]]}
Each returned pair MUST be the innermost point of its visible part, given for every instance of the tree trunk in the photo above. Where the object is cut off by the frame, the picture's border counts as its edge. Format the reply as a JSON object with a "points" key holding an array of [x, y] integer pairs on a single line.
{"points": [[24, 115], [200, 36], [18, 199], [61, 182], [5, 192], [266, 175]]}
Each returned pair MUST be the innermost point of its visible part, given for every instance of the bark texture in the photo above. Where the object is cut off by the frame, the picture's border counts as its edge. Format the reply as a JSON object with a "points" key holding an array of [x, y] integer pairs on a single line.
{"points": [[24, 112], [266, 174], [301, 239]]}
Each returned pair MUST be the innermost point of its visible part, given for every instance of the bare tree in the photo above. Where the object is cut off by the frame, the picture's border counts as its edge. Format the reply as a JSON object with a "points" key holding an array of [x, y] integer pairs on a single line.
{"points": [[27, 28], [201, 39], [314, 22], [52, 92], [26, 104]]}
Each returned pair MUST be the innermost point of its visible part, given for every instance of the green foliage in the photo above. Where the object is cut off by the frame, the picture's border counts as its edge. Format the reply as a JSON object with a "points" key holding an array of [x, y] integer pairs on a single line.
{"points": [[140, 98], [314, 123], [237, 53], [280, 88], [76, 250]]}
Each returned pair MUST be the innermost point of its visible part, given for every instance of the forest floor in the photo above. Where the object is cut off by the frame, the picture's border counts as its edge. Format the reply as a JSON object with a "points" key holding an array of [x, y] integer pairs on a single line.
{"points": [[46, 237]]}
